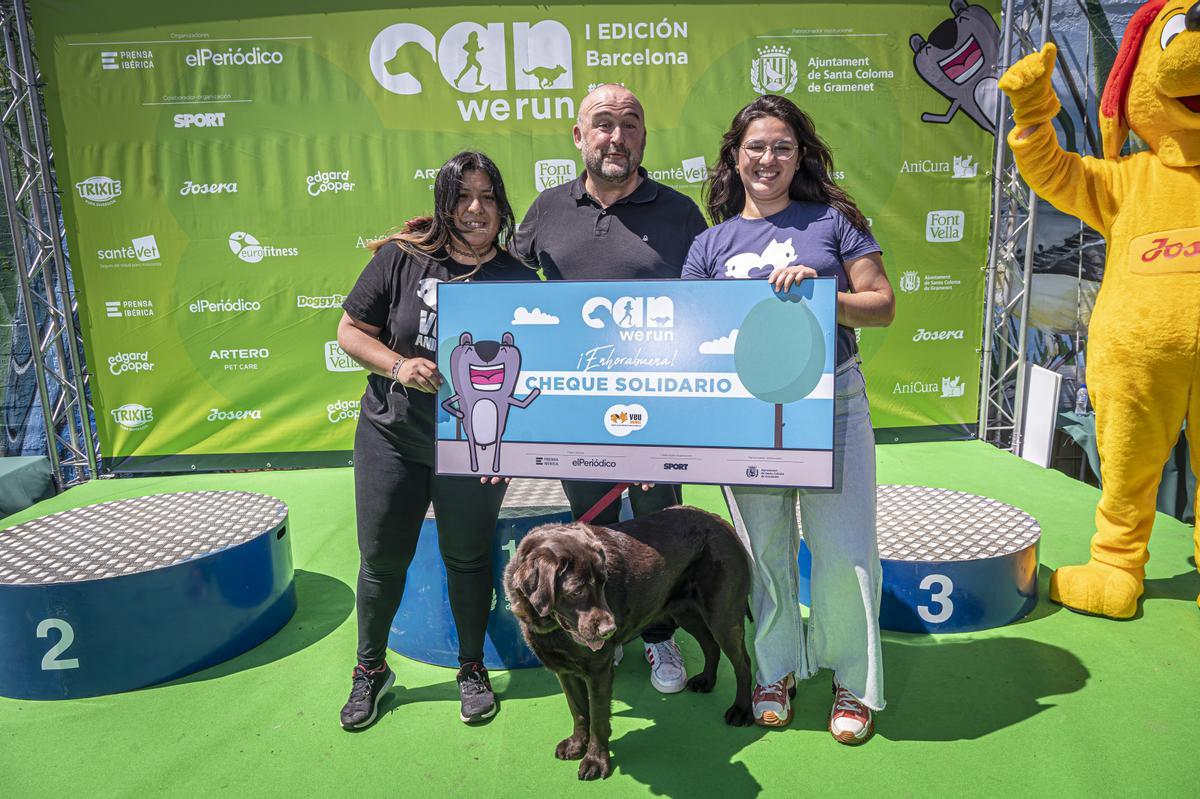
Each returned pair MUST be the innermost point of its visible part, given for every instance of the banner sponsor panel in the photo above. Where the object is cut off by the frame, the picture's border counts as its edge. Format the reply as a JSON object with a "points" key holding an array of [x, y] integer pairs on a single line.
{"points": [[222, 175]]}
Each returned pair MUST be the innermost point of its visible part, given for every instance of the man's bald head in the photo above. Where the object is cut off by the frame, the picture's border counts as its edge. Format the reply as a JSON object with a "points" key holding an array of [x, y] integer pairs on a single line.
{"points": [[611, 134]]}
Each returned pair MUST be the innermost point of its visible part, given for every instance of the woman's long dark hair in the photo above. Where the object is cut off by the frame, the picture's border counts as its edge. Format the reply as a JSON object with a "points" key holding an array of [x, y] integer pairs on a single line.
{"points": [[431, 235], [724, 193]]}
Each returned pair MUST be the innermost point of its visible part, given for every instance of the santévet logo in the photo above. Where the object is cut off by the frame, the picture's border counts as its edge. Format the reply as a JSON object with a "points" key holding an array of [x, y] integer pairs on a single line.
{"points": [[143, 249]]}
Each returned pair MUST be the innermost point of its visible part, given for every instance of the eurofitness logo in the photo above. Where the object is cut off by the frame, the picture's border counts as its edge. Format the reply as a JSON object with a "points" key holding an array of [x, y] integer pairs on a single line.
{"points": [[336, 359], [948, 388], [221, 415], [133, 416], [961, 168], [118, 309], [474, 58], [191, 188], [944, 226], [621, 420], [99, 190], [126, 59], [232, 57], [123, 362], [937, 335], [211, 119], [244, 359], [142, 251], [553, 172], [910, 281], [320, 303], [342, 410], [336, 182], [774, 71], [246, 248], [239, 305], [637, 318]]}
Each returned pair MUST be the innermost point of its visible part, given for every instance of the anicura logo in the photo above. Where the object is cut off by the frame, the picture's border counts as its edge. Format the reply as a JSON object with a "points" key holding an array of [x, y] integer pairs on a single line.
{"points": [[553, 172], [961, 167], [123, 362], [336, 182], [948, 388], [336, 359], [342, 410], [132, 416], [246, 247], [99, 190], [474, 58]]}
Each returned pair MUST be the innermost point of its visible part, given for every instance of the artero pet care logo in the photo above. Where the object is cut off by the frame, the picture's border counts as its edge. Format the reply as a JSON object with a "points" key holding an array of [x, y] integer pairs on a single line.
{"points": [[474, 58]]}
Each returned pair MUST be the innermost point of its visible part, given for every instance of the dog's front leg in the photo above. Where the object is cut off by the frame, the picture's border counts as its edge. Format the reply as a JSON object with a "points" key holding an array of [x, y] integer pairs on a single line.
{"points": [[577, 699], [595, 763]]}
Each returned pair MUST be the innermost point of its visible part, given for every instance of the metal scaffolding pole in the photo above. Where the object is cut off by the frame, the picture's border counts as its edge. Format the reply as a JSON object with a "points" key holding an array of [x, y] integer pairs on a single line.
{"points": [[32, 202]]}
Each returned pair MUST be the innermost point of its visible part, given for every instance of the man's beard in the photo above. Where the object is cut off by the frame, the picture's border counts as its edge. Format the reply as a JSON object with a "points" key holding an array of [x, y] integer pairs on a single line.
{"points": [[610, 172]]}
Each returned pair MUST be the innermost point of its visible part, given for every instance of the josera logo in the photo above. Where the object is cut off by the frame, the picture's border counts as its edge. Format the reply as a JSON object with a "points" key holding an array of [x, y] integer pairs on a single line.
{"points": [[474, 58]]}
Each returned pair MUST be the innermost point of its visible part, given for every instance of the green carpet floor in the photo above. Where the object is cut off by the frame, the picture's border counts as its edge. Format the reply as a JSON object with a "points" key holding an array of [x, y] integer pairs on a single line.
{"points": [[1056, 705]]}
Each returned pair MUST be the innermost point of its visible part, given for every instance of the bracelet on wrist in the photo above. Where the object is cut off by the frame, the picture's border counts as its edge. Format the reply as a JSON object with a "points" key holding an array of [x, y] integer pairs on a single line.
{"points": [[396, 368]]}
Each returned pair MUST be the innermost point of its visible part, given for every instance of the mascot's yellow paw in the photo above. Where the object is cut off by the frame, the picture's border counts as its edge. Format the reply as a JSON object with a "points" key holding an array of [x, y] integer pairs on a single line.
{"points": [[1098, 589]]}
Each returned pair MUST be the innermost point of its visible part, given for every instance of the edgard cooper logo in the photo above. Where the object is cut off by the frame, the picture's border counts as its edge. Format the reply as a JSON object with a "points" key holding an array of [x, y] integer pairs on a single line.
{"points": [[321, 182], [132, 416], [336, 359], [774, 71], [474, 58], [99, 190], [342, 410], [944, 226], [246, 247], [553, 172], [123, 362]]}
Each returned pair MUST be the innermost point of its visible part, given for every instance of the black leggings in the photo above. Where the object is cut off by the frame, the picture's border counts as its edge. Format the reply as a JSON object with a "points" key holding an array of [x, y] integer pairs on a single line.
{"points": [[391, 495], [583, 494]]}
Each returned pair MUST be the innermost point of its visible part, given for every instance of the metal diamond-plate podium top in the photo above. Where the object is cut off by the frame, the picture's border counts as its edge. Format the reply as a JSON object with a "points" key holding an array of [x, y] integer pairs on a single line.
{"points": [[528, 497], [917, 523], [127, 536]]}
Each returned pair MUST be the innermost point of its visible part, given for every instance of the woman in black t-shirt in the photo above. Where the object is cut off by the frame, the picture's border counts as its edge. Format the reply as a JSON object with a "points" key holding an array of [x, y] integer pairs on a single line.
{"points": [[390, 327]]}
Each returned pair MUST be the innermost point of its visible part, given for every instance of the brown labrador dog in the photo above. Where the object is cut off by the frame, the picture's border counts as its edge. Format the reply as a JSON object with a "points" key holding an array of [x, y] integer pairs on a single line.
{"points": [[579, 591]]}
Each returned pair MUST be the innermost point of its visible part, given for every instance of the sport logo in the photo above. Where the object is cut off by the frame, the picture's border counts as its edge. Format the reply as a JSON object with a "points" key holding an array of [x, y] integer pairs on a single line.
{"points": [[910, 281], [132, 416], [99, 190], [944, 226], [123, 362], [322, 182], [774, 71], [638, 318], [213, 119], [675, 467], [336, 359], [553, 172], [246, 247], [473, 57], [621, 420]]}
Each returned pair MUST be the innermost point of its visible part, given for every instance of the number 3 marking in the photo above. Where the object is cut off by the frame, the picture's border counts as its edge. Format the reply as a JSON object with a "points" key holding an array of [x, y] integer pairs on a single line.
{"points": [[940, 596], [50, 661]]}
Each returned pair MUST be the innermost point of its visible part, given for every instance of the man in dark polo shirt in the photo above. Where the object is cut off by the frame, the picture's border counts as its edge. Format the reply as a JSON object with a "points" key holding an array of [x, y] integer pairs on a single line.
{"points": [[615, 223]]}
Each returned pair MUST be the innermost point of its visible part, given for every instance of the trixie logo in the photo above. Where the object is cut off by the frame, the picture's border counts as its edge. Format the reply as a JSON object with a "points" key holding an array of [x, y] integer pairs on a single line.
{"points": [[637, 318], [214, 119], [1166, 248], [189, 188], [124, 362], [937, 335], [246, 247], [336, 359], [132, 416], [553, 172], [944, 226], [320, 303], [342, 410], [474, 57], [219, 415], [321, 182], [233, 57], [621, 420], [99, 190], [774, 71]]}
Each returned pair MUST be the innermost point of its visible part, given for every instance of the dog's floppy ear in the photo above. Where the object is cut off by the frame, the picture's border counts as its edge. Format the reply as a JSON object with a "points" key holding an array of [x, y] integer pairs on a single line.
{"points": [[536, 579]]}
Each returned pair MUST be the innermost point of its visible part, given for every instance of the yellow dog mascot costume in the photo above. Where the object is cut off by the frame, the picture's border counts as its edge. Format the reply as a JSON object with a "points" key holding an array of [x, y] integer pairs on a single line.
{"points": [[1144, 336]]}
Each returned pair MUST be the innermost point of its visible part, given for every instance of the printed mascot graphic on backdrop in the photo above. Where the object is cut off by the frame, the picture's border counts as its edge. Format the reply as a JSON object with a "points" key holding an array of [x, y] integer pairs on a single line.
{"points": [[484, 375], [1143, 352], [958, 59]]}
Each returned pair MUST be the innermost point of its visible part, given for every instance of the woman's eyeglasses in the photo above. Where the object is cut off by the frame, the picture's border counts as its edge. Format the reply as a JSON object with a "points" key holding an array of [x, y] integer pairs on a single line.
{"points": [[784, 150]]}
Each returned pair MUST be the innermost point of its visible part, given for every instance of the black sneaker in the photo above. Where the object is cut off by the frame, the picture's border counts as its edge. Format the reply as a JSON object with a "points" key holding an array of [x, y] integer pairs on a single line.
{"points": [[367, 689], [475, 692]]}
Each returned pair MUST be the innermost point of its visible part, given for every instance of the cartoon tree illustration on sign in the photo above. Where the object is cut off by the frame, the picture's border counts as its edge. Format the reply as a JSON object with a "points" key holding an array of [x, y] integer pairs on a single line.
{"points": [[779, 354]]}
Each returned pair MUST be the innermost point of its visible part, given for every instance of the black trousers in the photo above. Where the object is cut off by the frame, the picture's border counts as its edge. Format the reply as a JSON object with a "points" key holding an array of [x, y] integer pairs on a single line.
{"points": [[583, 494], [391, 496]]}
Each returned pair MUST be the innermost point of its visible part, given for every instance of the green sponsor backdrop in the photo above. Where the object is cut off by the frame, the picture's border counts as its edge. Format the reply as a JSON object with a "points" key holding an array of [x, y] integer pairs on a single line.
{"points": [[223, 165]]}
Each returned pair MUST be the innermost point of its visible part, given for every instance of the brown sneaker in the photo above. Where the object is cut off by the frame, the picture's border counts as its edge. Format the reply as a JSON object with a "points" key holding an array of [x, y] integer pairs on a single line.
{"points": [[773, 703], [850, 721]]}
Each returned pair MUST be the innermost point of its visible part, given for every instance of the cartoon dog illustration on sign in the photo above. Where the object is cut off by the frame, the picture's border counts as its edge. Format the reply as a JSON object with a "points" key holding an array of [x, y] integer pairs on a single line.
{"points": [[959, 60], [484, 375]]}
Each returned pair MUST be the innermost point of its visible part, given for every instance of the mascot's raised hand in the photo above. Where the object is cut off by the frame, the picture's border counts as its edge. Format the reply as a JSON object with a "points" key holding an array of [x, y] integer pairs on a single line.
{"points": [[1144, 335]]}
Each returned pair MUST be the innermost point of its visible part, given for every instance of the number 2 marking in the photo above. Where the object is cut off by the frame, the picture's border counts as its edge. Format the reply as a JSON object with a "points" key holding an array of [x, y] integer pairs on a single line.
{"points": [[50, 661], [941, 596]]}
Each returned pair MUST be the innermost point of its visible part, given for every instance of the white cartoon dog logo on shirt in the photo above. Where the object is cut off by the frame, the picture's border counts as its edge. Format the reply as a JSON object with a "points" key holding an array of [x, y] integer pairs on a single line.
{"points": [[777, 255]]}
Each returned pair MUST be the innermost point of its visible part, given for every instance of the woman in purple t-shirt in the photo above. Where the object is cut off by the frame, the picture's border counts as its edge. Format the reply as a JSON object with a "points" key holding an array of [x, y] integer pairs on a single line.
{"points": [[779, 215]]}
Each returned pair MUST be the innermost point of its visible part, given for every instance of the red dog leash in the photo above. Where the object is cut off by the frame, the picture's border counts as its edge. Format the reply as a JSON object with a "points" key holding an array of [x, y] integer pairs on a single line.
{"points": [[604, 502]]}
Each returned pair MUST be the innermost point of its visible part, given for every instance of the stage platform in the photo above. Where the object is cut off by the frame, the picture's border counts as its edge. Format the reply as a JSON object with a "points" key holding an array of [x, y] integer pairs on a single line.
{"points": [[1055, 705]]}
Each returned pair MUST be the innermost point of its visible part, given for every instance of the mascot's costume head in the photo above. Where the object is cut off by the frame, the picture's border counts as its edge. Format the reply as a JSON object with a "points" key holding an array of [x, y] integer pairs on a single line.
{"points": [[1144, 335]]}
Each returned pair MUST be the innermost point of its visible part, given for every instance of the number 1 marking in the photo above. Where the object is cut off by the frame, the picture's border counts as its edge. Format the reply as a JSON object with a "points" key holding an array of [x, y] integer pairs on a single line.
{"points": [[50, 661], [511, 548], [941, 596]]}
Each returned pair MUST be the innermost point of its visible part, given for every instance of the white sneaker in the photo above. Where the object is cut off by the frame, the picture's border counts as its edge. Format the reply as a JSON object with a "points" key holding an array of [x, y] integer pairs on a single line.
{"points": [[667, 674]]}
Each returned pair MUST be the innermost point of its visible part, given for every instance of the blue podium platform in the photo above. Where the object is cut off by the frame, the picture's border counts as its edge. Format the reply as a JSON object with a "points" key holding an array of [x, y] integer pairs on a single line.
{"points": [[124, 594], [423, 628], [952, 562]]}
